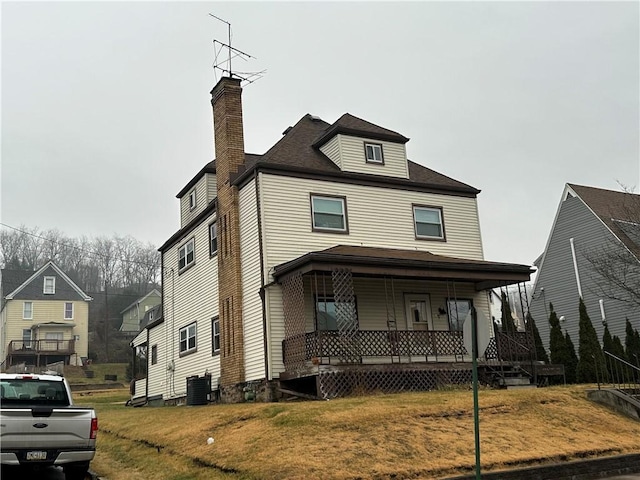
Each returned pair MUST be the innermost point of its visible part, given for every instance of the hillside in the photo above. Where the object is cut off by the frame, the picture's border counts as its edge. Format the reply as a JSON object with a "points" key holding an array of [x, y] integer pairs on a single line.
{"points": [[412, 435]]}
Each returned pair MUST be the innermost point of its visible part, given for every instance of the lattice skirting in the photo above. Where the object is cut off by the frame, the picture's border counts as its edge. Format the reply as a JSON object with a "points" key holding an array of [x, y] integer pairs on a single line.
{"points": [[332, 384]]}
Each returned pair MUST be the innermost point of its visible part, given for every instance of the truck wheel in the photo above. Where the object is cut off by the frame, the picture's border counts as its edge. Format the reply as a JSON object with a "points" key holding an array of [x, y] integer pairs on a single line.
{"points": [[76, 471]]}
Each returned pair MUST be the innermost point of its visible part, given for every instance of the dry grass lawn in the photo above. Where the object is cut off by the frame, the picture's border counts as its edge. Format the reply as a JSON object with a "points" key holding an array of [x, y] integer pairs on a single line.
{"points": [[411, 435]]}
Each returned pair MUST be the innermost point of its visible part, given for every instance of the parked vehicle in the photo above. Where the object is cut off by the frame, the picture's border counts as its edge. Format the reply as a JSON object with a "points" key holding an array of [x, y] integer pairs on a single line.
{"points": [[41, 425]]}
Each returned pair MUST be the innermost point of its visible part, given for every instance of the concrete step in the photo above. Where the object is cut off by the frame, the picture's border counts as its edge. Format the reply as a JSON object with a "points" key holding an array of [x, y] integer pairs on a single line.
{"points": [[515, 381]]}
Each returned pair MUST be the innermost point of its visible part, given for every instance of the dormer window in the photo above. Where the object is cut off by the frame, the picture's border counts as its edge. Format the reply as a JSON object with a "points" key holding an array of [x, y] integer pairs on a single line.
{"points": [[49, 286], [373, 153], [192, 199]]}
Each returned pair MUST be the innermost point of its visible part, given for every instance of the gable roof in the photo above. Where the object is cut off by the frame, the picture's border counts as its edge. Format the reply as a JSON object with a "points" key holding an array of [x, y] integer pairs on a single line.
{"points": [[141, 299], [13, 277], [619, 211]]}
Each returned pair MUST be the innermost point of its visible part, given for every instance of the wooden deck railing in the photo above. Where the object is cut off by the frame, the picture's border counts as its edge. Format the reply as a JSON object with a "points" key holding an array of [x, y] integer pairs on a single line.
{"points": [[31, 347], [372, 343]]}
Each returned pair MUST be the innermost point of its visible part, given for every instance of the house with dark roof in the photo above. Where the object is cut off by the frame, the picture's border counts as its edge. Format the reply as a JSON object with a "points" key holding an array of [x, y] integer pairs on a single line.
{"points": [[44, 318], [593, 253], [133, 314], [328, 263]]}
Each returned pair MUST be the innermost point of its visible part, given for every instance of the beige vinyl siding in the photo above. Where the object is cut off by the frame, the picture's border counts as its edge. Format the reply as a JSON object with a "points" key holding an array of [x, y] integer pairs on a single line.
{"points": [[354, 159], [377, 217], [212, 187], [45, 311], [191, 296], [251, 282], [202, 192], [158, 375], [275, 329], [332, 150]]}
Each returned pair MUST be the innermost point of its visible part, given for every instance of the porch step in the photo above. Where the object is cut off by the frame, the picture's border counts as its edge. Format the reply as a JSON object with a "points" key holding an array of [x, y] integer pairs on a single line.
{"points": [[515, 382]]}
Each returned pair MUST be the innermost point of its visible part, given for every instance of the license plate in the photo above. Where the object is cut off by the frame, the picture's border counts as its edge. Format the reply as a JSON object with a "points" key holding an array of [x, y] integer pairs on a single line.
{"points": [[36, 455]]}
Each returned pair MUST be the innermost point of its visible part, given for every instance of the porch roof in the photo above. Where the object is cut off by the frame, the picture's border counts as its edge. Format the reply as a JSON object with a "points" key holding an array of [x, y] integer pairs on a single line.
{"points": [[392, 262]]}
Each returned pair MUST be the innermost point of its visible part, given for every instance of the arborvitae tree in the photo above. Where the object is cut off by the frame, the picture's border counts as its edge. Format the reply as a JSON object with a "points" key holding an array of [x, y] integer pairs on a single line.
{"points": [[589, 349], [571, 361], [617, 349], [541, 353], [632, 344], [508, 325], [556, 339], [607, 340]]}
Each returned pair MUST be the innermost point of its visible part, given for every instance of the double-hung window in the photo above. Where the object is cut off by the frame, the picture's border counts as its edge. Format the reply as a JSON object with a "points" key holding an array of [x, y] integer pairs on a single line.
{"points": [[186, 255], [215, 335], [213, 238], [154, 354], [192, 199], [329, 214], [68, 310], [373, 153], [49, 285], [188, 339], [27, 310], [428, 223]]}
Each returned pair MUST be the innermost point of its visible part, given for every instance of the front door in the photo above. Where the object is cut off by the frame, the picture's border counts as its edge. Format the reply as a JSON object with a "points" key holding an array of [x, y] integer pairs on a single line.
{"points": [[418, 312]]}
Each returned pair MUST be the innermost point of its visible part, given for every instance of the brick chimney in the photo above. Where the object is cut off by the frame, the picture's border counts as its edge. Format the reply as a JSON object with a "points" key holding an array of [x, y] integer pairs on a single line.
{"points": [[226, 99]]}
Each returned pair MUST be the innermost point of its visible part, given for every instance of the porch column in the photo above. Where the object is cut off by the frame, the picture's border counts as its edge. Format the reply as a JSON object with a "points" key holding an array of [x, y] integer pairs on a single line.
{"points": [[294, 344], [346, 318]]}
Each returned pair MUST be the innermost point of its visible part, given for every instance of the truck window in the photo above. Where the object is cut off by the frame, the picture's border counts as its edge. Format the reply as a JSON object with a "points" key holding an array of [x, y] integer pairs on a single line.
{"points": [[30, 392]]}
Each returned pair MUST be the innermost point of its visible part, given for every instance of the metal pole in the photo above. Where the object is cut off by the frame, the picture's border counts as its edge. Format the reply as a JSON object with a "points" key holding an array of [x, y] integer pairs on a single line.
{"points": [[474, 361]]}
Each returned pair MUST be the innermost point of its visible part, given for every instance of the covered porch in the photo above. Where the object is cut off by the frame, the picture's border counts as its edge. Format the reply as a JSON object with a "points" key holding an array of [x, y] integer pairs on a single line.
{"points": [[388, 319]]}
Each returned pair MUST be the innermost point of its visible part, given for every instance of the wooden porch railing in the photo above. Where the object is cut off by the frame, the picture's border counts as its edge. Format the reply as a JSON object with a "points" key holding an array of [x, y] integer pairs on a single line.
{"points": [[373, 343], [48, 346]]}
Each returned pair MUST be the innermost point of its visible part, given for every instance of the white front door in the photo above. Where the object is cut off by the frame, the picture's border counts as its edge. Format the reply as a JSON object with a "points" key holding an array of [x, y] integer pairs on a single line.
{"points": [[418, 312]]}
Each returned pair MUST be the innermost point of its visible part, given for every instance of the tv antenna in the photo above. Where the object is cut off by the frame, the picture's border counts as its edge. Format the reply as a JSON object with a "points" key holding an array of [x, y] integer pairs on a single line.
{"points": [[224, 65]]}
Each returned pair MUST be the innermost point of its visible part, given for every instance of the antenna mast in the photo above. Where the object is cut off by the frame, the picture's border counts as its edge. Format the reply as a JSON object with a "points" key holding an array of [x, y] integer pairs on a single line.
{"points": [[218, 47]]}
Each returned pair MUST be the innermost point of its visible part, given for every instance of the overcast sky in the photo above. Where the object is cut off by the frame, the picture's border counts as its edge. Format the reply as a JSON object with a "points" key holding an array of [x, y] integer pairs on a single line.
{"points": [[106, 109]]}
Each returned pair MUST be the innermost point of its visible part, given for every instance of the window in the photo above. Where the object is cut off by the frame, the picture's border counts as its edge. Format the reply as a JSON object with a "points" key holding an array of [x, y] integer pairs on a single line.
{"points": [[373, 152], [213, 238], [188, 339], [27, 310], [329, 213], [215, 334], [68, 310], [192, 199], [186, 257], [154, 354], [26, 338], [326, 313], [457, 310], [428, 222], [49, 285]]}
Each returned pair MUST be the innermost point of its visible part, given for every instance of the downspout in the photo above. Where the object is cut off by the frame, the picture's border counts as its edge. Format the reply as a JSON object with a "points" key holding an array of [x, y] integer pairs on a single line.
{"points": [[575, 266], [146, 384], [263, 292]]}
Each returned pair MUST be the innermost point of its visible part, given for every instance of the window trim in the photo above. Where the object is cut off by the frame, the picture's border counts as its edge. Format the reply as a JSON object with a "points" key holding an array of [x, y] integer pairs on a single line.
{"points": [[345, 215], [24, 309], [215, 321], [186, 266], [443, 237], [65, 311], [213, 253], [193, 200], [188, 350], [373, 160], [53, 285]]}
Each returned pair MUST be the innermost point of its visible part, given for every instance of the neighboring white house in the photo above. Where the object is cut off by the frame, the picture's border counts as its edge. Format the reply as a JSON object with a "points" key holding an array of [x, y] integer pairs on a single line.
{"points": [[328, 260], [44, 318], [594, 230]]}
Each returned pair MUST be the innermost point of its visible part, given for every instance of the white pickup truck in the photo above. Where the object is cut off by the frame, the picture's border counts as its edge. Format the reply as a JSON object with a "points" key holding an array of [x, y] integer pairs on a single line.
{"points": [[40, 426]]}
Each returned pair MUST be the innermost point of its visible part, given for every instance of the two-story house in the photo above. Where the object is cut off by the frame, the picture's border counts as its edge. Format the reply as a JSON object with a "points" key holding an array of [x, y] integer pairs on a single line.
{"points": [[593, 253], [133, 314], [44, 318], [328, 263]]}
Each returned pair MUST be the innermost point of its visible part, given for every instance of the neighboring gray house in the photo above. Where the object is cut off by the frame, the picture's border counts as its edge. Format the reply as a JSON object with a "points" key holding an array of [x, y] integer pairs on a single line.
{"points": [[132, 315], [592, 226]]}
